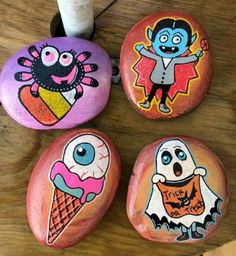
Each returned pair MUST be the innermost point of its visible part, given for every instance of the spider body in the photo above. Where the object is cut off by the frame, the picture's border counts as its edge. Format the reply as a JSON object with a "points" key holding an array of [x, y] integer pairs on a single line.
{"points": [[57, 71]]}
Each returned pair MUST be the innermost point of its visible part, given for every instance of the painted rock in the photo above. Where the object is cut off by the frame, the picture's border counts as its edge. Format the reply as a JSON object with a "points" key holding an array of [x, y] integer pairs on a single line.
{"points": [[71, 187], [166, 65], [178, 191], [56, 83]]}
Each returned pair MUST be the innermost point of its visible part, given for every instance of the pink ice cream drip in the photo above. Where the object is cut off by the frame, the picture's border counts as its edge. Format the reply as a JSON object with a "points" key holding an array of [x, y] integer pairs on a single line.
{"points": [[73, 181]]}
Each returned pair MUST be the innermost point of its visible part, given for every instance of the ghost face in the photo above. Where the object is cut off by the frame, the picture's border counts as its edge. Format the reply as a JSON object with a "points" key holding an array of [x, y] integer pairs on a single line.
{"points": [[170, 43], [87, 156], [174, 160]]}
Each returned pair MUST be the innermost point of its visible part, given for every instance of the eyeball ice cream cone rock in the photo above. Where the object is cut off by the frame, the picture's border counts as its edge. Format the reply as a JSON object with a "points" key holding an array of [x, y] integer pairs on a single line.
{"points": [[71, 187], [166, 65], [57, 83], [178, 191]]}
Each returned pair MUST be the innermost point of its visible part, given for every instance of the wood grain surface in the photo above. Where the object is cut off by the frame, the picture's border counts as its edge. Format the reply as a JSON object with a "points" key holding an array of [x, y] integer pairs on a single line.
{"points": [[214, 122]]}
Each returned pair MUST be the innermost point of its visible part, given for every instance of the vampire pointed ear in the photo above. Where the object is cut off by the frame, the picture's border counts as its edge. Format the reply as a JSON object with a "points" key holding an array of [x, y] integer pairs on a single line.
{"points": [[194, 37], [149, 34]]}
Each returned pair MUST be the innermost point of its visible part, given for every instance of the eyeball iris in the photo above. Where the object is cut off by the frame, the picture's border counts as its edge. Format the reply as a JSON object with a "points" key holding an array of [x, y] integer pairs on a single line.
{"points": [[84, 154], [166, 157], [180, 154]]}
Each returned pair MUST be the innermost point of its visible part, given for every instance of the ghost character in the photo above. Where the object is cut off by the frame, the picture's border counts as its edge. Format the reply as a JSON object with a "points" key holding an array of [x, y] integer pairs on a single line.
{"points": [[180, 197]]}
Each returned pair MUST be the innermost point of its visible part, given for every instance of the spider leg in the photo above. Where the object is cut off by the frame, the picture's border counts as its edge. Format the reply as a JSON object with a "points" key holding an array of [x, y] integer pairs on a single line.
{"points": [[33, 51], [79, 92], [34, 89], [25, 62], [23, 76], [84, 56], [90, 68], [89, 81]]}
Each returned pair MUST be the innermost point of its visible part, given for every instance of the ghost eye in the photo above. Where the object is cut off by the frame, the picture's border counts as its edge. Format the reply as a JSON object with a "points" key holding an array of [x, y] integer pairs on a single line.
{"points": [[84, 154], [176, 40], [49, 56], [66, 59], [180, 154], [166, 157], [163, 38]]}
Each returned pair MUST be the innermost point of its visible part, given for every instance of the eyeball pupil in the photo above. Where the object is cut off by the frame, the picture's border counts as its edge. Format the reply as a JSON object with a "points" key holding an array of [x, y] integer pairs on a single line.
{"points": [[47, 53], [81, 152], [64, 56]]}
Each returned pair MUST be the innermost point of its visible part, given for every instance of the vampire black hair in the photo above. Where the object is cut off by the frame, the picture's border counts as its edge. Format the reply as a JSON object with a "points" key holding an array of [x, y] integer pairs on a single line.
{"points": [[171, 23]]}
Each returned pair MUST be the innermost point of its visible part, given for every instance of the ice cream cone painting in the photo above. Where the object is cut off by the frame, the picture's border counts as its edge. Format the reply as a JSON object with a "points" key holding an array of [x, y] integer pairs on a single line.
{"points": [[71, 188], [78, 179], [178, 192]]}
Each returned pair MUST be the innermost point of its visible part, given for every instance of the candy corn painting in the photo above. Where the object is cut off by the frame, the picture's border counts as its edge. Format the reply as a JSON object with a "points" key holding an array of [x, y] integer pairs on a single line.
{"points": [[54, 81]]}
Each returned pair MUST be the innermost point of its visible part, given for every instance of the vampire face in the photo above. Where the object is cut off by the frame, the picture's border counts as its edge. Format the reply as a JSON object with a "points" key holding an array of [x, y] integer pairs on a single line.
{"points": [[87, 156], [57, 71], [171, 38], [174, 160]]}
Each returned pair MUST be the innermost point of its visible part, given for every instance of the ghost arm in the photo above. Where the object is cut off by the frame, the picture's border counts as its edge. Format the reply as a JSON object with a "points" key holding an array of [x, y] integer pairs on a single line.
{"points": [[200, 171], [185, 60], [158, 178], [148, 54]]}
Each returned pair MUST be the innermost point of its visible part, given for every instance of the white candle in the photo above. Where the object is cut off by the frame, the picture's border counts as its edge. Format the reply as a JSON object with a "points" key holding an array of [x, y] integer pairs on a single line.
{"points": [[77, 17]]}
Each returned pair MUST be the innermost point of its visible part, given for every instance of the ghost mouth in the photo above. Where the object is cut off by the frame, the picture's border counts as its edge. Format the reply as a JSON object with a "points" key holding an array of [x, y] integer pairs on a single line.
{"points": [[69, 79], [169, 50], [177, 168]]}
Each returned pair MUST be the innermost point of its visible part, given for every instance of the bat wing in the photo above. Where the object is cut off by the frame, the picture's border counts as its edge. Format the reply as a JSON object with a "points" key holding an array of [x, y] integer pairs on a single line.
{"points": [[174, 205], [193, 193]]}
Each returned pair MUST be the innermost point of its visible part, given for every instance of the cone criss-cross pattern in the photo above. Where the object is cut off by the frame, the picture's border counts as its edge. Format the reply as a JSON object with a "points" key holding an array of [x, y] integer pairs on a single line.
{"points": [[63, 210]]}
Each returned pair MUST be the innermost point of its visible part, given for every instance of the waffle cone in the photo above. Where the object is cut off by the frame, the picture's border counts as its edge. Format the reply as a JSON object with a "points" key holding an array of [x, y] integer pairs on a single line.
{"points": [[63, 210]]}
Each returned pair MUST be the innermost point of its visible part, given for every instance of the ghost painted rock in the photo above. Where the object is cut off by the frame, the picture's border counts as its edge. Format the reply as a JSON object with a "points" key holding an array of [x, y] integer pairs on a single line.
{"points": [[71, 187], [56, 83], [178, 191], [166, 65]]}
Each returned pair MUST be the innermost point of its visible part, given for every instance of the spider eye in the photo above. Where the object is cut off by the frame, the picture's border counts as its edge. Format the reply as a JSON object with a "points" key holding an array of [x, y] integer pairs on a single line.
{"points": [[180, 154], [66, 59], [84, 154], [49, 56], [166, 157]]}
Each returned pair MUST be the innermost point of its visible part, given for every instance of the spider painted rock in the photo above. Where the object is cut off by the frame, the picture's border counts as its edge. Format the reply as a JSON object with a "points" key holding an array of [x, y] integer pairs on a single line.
{"points": [[57, 83]]}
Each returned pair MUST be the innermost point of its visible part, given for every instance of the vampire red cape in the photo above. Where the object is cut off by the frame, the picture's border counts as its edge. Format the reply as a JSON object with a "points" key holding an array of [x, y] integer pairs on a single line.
{"points": [[183, 74]]}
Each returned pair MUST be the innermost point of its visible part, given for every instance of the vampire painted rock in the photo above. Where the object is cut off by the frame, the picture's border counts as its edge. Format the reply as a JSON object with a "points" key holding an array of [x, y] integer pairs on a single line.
{"points": [[166, 65], [71, 187], [178, 191], [56, 83]]}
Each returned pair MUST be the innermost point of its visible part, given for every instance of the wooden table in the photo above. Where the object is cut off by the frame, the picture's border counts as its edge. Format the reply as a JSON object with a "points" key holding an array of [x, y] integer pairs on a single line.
{"points": [[214, 122]]}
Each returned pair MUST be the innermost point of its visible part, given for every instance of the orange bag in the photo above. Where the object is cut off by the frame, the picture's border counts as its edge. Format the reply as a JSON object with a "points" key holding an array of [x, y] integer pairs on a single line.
{"points": [[182, 199]]}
